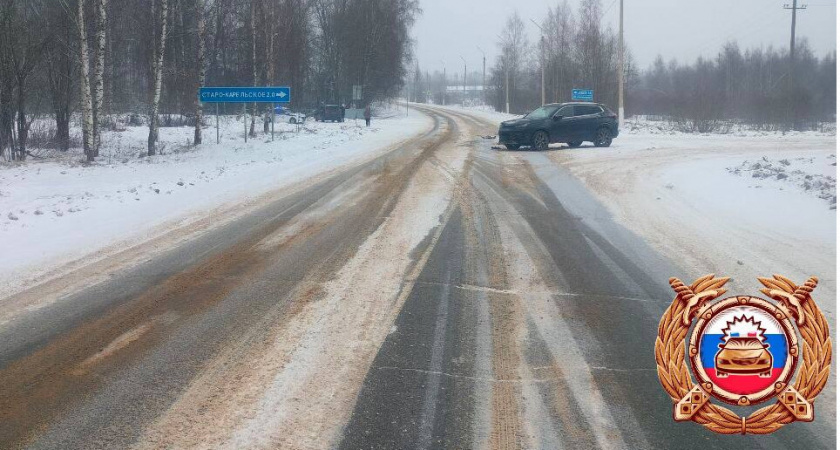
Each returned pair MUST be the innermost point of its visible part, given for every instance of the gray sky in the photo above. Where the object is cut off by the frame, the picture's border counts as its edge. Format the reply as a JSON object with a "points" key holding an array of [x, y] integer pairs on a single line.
{"points": [[681, 29]]}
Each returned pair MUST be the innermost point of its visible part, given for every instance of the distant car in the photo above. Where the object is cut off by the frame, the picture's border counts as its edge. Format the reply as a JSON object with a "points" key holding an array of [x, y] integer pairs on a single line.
{"points": [[743, 356], [331, 113], [570, 123], [287, 115]]}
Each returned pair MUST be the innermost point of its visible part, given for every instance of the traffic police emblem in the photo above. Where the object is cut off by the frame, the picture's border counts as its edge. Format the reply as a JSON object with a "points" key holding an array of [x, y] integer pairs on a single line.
{"points": [[743, 351]]}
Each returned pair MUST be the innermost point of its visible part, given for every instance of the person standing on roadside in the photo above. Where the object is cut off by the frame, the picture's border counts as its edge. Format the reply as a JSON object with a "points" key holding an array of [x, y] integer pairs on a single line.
{"points": [[367, 115]]}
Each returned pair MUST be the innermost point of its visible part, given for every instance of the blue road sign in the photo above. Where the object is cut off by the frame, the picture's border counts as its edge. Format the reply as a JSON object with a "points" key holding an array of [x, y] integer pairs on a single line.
{"points": [[582, 95], [278, 94]]}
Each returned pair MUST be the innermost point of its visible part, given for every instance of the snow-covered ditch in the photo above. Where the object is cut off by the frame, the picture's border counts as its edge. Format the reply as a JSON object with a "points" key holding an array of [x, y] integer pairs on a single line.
{"points": [[59, 209]]}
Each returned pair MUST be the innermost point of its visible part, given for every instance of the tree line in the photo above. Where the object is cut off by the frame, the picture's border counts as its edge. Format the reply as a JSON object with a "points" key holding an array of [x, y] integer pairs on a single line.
{"points": [[752, 87], [95, 59], [576, 49]]}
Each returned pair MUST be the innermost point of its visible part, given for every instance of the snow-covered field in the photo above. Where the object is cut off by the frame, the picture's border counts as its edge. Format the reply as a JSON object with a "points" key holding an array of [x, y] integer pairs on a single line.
{"points": [[59, 210]]}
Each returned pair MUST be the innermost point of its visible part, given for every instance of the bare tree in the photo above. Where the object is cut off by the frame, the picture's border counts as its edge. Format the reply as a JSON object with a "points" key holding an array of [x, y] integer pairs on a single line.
{"points": [[21, 53], [84, 82], [560, 72], [515, 50], [60, 58], [253, 22], [157, 74], [269, 49], [99, 72], [202, 64]]}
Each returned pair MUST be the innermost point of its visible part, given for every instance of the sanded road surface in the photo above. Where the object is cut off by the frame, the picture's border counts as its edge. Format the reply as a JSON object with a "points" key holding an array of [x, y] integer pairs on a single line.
{"points": [[443, 295]]}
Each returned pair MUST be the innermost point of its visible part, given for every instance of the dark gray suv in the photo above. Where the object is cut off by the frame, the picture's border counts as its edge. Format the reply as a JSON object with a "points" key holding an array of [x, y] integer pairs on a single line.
{"points": [[570, 123]]}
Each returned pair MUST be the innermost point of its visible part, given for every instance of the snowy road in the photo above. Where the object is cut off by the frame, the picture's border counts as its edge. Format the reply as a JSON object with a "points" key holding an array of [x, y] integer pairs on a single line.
{"points": [[443, 295]]}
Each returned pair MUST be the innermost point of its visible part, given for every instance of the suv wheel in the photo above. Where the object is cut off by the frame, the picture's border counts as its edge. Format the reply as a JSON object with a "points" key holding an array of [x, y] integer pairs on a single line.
{"points": [[575, 144], [540, 141], [292, 121], [603, 137]]}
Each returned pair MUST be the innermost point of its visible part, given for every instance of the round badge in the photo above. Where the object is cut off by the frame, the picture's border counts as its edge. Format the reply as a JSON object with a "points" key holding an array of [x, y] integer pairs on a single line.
{"points": [[744, 350]]}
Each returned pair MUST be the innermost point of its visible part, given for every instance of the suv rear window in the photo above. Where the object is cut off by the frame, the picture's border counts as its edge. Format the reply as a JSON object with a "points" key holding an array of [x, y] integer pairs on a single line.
{"points": [[585, 110]]}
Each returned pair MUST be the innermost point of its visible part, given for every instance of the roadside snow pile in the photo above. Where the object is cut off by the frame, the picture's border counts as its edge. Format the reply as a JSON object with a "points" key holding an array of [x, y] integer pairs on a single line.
{"points": [[56, 210], [814, 175]]}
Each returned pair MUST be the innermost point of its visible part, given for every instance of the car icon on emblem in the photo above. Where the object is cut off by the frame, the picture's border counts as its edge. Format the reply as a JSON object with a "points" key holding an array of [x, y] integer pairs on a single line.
{"points": [[743, 356]]}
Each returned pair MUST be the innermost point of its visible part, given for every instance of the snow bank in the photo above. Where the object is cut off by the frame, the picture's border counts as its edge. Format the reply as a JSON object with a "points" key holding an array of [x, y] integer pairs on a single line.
{"points": [[816, 176], [58, 210]]}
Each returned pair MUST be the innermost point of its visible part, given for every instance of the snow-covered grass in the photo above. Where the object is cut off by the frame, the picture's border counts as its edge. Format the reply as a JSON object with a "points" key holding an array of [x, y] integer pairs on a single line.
{"points": [[645, 125], [60, 209]]}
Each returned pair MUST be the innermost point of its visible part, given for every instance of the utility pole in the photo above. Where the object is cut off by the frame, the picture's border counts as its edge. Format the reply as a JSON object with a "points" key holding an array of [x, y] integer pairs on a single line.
{"points": [[464, 100], [444, 82], [483, 76], [621, 63], [791, 77], [542, 59], [507, 90]]}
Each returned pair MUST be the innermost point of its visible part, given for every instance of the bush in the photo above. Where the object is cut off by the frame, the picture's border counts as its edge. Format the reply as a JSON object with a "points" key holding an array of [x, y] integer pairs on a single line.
{"points": [[42, 136]]}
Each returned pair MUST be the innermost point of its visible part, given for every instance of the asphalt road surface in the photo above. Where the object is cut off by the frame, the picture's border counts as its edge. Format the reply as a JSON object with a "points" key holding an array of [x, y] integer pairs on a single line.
{"points": [[337, 315]]}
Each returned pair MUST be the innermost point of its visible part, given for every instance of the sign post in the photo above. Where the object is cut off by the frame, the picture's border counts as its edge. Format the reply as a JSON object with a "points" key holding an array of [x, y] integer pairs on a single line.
{"points": [[582, 95], [245, 95]]}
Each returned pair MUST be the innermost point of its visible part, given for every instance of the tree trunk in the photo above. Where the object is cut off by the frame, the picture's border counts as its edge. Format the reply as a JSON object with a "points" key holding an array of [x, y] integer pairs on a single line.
{"points": [[269, 57], [7, 117], [202, 63], [99, 72], [84, 77], [157, 71], [62, 128], [22, 126], [253, 132]]}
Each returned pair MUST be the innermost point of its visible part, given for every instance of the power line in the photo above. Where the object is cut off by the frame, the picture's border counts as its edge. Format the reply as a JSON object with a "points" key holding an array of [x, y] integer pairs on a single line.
{"points": [[608, 10]]}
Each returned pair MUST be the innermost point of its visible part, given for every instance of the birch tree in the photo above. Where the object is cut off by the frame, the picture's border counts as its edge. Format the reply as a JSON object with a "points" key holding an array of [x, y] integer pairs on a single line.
{"points": [[201, 69], [84, 83], [98, 72], [269, 51], [157, 75], [252, 131]]}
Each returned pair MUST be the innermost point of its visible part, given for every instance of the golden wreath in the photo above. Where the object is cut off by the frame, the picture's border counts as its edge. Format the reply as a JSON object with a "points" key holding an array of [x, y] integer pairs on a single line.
{"points": [[691, 401]]}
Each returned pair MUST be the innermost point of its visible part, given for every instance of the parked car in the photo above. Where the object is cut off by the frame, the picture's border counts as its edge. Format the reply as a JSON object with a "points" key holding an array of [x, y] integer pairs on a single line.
{"points": [[287, 115], [332, 113], [570, 123]]}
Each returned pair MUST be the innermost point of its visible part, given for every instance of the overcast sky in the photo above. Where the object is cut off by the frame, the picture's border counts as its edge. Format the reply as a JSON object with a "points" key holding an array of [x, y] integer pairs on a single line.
{"points": [[680, 29]]}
